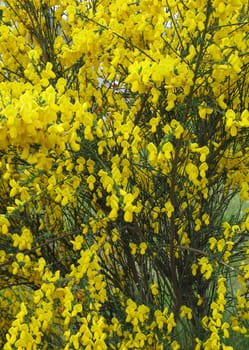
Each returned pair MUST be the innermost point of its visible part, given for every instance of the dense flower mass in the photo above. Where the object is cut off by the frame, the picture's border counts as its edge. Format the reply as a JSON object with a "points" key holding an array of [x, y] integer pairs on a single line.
{"points": [[124, 144]]}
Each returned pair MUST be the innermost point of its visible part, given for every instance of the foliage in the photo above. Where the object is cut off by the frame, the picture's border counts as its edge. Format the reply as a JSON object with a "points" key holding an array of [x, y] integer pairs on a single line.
{"points": [[124, 137]]}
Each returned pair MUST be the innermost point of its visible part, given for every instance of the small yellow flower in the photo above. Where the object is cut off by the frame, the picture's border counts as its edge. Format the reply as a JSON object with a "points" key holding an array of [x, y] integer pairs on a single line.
{"points": [[154, 288], [194, 268], [185, 311], [212, 241], [175, 345], [221, 244], [143, 247], [133, 247], [206, 268], [77, 243]]}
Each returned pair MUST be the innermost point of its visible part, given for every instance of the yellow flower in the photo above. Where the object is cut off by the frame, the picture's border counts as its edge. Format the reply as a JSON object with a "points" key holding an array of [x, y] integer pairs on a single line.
{"points": [[168, 150], [77, 243], [212, 241], [152, 149], [206, 268], [175, 345], [154, 288], [185, 311], [160, 319], [91, 180], [168, 208], [133, 247], [154, 123], [143, 247], [194, 268], [221, 244], [193, 173]]}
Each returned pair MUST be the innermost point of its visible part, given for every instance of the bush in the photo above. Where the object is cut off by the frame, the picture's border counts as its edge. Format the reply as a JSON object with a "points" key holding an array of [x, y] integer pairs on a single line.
{"points": [[124, 146]]}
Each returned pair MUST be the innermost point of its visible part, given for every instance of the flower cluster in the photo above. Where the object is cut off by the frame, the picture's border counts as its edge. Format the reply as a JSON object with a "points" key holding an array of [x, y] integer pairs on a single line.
{"points": [[124, 181]]}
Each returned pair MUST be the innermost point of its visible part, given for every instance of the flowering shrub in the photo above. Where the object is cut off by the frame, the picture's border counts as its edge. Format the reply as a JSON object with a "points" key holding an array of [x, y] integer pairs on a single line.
{"points": [[124, 140]]}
